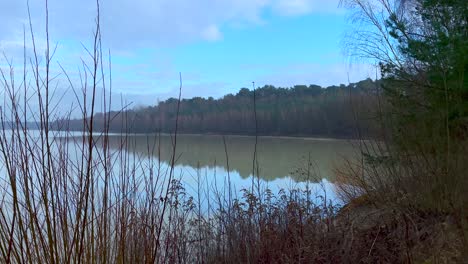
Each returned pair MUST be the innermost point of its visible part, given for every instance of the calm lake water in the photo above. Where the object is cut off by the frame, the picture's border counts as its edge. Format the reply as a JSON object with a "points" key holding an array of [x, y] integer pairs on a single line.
{"points": [[278, 158], [201, 160]]}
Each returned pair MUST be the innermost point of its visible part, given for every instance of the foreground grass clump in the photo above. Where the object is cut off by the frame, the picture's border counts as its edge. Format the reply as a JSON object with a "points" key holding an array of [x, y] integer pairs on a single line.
{"points": [[286, 227]]}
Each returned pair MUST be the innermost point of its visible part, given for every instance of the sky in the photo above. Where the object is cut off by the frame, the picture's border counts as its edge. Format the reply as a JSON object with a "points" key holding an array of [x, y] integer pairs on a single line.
{"points": [[218, 46]]}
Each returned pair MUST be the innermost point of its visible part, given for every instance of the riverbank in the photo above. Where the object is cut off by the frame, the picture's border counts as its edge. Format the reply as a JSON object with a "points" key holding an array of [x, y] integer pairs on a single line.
{"points": [[292, 230], [381, 235]]}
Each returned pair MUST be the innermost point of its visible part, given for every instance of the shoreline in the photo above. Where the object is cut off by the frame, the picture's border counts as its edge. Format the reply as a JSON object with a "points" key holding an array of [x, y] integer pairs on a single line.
{"points": [[301, 137]]}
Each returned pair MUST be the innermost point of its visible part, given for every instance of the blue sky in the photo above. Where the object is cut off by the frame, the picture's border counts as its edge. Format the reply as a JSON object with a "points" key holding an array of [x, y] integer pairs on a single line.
{"points": [[219, 46]]}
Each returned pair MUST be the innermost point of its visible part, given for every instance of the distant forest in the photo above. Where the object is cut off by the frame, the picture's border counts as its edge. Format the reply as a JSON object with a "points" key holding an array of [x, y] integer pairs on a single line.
{"points": [[335, 111]]}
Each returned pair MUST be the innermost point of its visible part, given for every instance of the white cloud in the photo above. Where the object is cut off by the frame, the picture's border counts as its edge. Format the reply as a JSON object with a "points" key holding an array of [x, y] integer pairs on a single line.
{"points": [[129, 24], [301, 7], [320, 74], [212, 33], [293, 7]]}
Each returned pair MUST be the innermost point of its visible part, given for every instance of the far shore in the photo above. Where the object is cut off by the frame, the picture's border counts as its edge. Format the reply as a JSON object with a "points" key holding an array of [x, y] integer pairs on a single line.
{"points": [[302, 137]]}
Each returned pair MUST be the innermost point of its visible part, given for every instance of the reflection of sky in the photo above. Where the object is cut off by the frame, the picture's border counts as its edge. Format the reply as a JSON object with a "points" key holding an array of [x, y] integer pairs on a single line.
{"points": [[217, 180], [209, 182]]}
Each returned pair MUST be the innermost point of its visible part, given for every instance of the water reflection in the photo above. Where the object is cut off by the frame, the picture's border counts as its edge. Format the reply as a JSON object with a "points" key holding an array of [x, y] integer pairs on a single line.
{"points": [[277, 157]]}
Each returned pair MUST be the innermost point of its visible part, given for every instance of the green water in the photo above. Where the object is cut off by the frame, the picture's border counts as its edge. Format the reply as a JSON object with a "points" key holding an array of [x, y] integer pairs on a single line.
{"points": [[277, 157]]}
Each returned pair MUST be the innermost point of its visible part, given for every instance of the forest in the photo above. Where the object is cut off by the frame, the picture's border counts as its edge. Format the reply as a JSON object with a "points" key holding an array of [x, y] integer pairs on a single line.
{"points": [[334, 111]]}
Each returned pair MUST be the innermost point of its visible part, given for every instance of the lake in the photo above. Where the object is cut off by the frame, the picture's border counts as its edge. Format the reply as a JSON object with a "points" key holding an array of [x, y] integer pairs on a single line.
{"points": [[214, 163], [280, 160]]}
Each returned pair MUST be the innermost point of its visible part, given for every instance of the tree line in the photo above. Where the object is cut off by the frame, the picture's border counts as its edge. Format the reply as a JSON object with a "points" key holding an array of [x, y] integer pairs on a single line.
{"points": [[334, 111]]}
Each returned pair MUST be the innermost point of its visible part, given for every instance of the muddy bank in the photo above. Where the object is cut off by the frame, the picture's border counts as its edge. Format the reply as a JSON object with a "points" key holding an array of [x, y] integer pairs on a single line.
{"points": [[380, 235]]}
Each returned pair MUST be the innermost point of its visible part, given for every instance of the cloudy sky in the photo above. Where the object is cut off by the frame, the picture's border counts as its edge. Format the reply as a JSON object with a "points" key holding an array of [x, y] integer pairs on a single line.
{"points": [[219, 46]]}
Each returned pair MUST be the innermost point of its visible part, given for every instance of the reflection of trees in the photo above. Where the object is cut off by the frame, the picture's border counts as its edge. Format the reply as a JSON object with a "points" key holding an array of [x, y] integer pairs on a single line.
{"points": [[277, 157]]}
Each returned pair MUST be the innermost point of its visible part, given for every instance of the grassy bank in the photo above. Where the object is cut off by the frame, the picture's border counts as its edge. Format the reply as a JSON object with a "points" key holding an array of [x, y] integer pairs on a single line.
{"points": [[60, 212]]}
